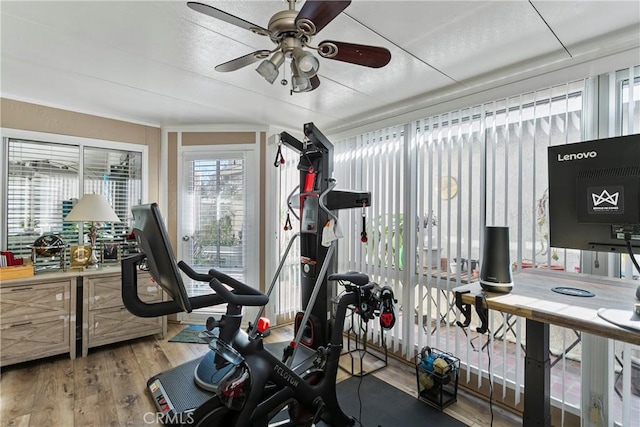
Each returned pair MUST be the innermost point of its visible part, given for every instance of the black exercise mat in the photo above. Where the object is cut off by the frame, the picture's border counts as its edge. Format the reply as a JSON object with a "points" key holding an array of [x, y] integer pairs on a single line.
{"points": [[383, 405]]}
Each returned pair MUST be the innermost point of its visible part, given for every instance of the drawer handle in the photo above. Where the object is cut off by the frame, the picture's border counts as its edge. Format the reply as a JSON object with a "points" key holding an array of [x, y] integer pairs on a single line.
{"points": [[15, 325], [29, 288]]}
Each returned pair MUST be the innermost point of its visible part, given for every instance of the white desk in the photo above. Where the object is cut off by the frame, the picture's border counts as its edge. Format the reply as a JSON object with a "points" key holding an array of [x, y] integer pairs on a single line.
{"points": [[533, 299]]}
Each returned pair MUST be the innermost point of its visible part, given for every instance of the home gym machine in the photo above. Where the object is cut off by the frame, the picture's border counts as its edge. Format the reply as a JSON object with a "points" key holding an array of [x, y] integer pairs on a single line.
{"points": [[318, 199], [185, 389], [257, 388]]}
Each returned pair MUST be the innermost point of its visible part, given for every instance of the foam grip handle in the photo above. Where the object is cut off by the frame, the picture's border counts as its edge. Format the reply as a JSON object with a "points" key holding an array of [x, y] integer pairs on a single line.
{"points": [[387, 309]]}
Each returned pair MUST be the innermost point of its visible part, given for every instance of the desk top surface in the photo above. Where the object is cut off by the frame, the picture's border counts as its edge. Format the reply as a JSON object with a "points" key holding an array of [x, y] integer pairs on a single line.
{"points": [[59, 275], [532, 298]]}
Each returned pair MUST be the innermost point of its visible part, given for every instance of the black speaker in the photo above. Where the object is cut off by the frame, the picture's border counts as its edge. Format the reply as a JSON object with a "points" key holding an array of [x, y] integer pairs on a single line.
{"points": [[495, 272]]}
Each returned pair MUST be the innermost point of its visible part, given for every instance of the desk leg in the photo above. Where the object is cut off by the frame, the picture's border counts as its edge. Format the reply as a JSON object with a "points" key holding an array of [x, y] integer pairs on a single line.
{"points": [[537, 376]]}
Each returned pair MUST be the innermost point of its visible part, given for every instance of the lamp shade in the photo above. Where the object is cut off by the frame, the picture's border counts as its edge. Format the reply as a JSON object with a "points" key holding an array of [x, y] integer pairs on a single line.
{"points": [[306, 63], [92, 207]]}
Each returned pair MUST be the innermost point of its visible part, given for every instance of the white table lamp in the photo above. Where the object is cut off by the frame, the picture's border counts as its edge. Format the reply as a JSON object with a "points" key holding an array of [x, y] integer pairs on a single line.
{"points": [[92, 208]]}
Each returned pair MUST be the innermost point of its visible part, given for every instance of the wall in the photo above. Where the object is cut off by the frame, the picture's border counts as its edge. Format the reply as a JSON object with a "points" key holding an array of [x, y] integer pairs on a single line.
{"points": [[37, 118]]}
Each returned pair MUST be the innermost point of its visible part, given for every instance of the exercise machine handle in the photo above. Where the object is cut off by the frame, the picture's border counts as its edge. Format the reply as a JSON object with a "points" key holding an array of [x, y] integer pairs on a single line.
{"points": [[141, 308], [243, 295]]}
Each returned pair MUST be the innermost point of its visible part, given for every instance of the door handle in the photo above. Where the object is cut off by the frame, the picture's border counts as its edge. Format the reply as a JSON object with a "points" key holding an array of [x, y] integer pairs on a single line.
{"points": [[185, 238]]}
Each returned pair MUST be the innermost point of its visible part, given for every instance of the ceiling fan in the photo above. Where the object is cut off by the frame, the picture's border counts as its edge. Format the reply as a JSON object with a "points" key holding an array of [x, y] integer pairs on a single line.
{"points": [[292, 32]]}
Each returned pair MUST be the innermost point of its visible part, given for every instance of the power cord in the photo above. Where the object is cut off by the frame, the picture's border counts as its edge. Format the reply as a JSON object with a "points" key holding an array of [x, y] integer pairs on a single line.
{"points": [[359, 404], [627, 238], [357, 420], [362, 331]]}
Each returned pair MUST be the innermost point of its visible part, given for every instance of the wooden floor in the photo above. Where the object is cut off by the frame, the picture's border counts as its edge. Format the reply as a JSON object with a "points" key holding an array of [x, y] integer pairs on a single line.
{"points": [[108, 387]]}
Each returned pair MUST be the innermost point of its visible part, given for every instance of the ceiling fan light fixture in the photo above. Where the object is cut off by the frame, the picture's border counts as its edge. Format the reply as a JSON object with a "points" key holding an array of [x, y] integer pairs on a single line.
{"points": [[306, 62], [300, 84], [292, 32], [269, 67], [267, 70]]}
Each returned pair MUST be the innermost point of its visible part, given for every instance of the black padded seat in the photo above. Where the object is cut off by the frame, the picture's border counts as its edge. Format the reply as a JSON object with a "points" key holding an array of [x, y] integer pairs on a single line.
{"points": [[354, 277]]}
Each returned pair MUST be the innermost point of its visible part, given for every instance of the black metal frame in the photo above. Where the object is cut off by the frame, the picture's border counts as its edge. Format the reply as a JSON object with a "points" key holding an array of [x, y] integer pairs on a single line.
{"points": [[316, 155], [273, 383], [537, 368]]}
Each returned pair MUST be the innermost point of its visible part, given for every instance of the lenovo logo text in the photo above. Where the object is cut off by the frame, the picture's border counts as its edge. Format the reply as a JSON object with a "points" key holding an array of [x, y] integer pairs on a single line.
{"points": [[577, 156]]}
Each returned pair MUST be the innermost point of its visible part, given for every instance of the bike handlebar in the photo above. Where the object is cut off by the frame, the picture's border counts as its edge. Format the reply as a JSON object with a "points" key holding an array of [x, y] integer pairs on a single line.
{"points": [[243, 295]]}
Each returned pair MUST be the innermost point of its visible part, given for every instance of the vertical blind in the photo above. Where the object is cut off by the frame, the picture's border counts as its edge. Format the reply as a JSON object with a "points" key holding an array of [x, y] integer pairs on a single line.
{"points": [[626, 123], [435, 183], [46, 179], [483, 165]]}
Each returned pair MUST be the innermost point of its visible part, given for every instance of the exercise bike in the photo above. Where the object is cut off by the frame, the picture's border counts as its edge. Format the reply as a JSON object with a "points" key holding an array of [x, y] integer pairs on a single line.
{"points": [[257, 386]]}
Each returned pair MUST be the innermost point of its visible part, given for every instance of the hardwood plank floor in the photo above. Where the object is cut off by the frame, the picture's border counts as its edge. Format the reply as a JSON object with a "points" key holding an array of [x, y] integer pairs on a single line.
{"points": [[108, 387]]}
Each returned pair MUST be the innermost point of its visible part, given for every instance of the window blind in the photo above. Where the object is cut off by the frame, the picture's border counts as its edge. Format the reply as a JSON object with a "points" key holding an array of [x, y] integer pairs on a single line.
{"points": [[45, 180], [116, 175], [214, 213]]}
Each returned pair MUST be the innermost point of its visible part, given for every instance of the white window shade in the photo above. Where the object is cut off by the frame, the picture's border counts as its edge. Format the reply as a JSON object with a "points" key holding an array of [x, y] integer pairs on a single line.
{"points": [[45, 179], [214, 215], [116, 175]]}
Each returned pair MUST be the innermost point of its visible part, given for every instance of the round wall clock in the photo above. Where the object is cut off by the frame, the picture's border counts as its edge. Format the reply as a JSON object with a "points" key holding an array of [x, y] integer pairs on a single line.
{"points": [[448, 187]]}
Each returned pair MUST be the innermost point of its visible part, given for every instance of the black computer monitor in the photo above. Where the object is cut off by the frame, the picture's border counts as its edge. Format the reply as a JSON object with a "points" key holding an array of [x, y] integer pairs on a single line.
{"points": [[152, 238], [594, 195]]}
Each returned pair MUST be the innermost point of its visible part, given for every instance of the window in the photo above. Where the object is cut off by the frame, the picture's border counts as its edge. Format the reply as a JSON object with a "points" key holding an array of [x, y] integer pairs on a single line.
{"points": [[435, 183], [44, 179], [117, 175]]}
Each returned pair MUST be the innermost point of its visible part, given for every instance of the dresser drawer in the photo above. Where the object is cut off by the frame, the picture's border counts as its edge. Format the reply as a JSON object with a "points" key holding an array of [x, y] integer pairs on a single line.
{"points": [[106, 292], [33, 339], [117, 324], [31, 302]]}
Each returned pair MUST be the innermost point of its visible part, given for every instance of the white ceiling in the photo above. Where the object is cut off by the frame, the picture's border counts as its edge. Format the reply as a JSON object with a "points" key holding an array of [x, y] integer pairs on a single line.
{"points": [[153, 62]]}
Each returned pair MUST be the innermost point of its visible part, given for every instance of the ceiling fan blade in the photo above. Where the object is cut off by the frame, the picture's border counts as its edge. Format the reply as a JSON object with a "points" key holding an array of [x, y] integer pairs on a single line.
{"points": [[359, 54], [243, 61], [227, 17], [320, 13], [315, 82]]}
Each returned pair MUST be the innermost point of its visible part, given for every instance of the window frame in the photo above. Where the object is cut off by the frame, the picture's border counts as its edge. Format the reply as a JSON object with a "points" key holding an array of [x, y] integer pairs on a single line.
{"points": [[81, 142]]}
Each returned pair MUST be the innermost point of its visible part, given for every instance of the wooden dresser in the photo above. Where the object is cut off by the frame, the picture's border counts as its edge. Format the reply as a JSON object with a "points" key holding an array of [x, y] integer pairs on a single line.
{"points": [[44, 315], [105, 318], [38, 317]]}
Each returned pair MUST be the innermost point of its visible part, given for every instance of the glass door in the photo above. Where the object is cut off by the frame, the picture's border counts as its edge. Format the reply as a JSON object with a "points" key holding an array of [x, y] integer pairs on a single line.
{"points": [[214, 219]]}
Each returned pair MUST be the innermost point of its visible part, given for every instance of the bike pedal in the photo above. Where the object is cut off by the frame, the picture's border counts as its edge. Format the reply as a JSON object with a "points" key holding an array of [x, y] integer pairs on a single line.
{"points": [[320, 407]]}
